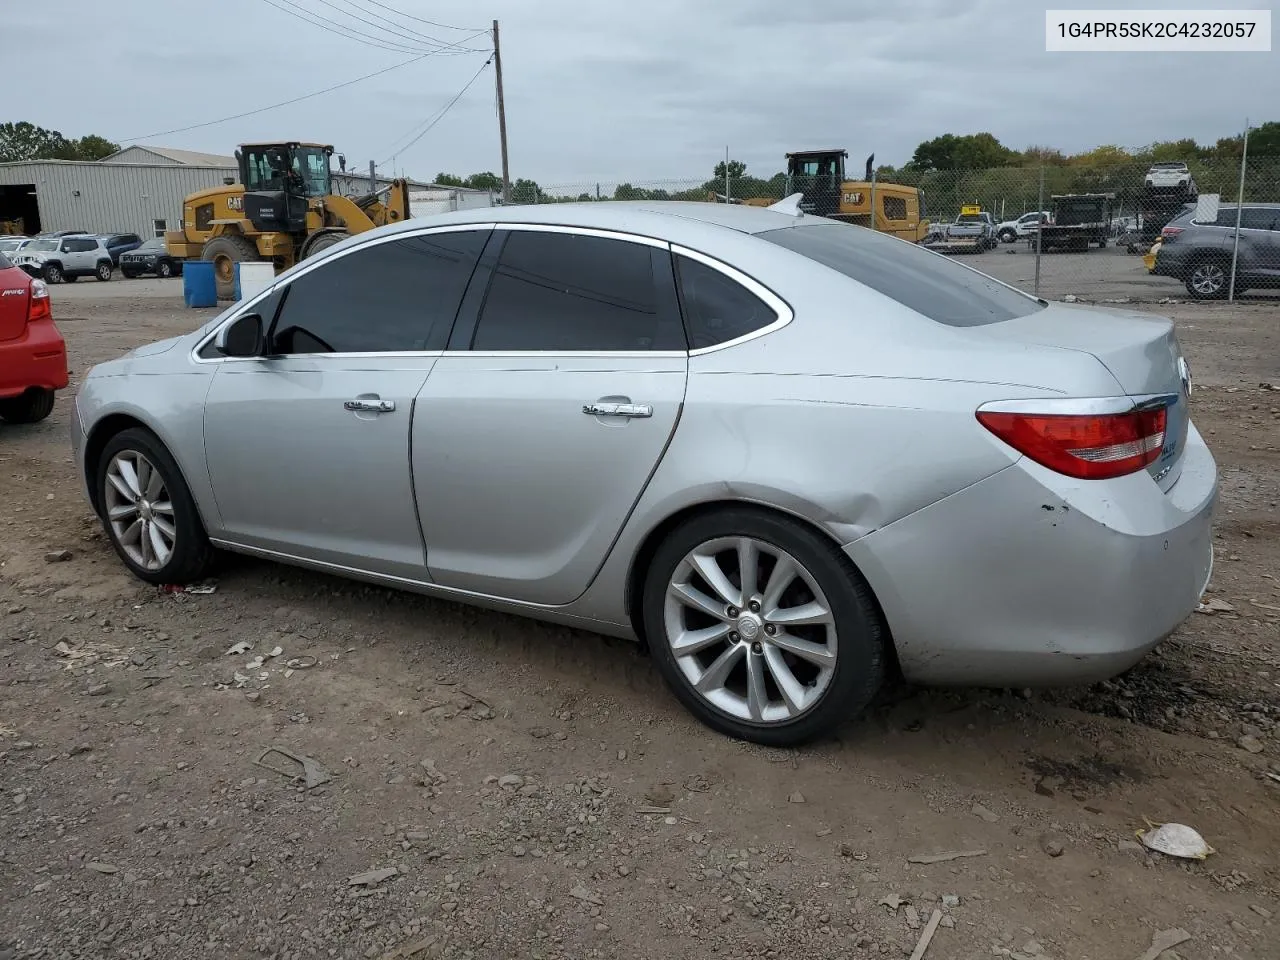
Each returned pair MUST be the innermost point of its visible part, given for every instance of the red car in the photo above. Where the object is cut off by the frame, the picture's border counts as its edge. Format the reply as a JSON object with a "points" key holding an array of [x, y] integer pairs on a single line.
{"points": [[33, 356]]}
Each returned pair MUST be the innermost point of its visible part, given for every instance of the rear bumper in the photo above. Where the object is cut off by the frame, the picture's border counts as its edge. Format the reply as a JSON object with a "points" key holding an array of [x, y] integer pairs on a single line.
{"points": [[36, 359], [1032, 579]]}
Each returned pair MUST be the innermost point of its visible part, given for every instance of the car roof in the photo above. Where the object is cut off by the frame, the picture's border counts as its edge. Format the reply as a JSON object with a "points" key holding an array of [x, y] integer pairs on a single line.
{"points": [[678, 221]]}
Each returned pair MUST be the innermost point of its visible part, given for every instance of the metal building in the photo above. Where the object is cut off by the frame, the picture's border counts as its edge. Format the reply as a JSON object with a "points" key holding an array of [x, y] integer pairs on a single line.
{"points": [[140, 190], [141, 198]]}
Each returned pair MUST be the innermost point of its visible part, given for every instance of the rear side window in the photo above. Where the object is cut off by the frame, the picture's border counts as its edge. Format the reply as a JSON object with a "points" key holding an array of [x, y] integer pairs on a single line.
{"points": [[717, 308], [394, 297], [932, 285], [1258, 218], [565, 292]]}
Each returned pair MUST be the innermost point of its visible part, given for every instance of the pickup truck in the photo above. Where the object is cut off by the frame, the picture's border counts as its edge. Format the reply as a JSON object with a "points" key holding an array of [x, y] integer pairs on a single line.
{"points": [[1023, 227], [970, 231], [1078, 221]]}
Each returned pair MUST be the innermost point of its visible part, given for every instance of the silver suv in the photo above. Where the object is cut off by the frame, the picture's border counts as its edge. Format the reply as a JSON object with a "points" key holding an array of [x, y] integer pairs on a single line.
{"points": [[1199, 254], [55, 259]]}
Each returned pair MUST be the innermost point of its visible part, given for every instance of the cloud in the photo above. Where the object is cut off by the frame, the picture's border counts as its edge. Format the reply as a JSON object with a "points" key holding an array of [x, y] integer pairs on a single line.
{"points": [[606, 90]]}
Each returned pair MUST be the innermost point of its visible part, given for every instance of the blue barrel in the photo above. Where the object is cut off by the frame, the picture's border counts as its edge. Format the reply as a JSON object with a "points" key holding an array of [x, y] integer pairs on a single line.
{"points": [[198, 286]]}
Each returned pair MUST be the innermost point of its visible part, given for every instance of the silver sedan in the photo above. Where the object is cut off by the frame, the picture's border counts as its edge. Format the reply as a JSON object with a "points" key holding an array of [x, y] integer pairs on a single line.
{"points": [[788, 454]]}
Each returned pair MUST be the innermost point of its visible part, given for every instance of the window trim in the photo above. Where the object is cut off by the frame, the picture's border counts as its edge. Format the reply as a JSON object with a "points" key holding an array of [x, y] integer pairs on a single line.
{"points": [[782, 310], [306, 267]]}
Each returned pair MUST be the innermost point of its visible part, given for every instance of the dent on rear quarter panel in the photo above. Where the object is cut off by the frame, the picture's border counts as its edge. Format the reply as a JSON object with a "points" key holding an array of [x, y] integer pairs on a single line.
{"points": [[170, 405]]}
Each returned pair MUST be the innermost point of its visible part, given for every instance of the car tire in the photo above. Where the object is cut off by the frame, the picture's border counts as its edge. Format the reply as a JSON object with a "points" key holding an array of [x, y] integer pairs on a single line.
{"points": [[103, 271], [164, 269], [1008, 236], [763, 685], [174, 550], [1209, 279], [52, 273], [31, 407]]}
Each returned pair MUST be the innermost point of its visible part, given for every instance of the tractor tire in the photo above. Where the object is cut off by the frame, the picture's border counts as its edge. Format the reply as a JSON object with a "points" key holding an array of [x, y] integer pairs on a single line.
{"points": [[322, 241], [225, 252]]}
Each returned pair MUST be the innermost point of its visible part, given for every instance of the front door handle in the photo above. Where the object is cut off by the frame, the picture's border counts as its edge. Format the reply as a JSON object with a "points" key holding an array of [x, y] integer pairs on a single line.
{"points": [[630, 411], [370, 405]]}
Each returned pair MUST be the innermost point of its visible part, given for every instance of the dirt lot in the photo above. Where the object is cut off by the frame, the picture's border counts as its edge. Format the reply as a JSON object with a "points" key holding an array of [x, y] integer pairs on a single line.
{"points": [[534, 792]]}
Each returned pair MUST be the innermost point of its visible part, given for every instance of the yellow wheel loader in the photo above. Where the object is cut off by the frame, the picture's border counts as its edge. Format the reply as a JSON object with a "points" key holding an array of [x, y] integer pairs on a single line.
{"points": [[820, 176], [283, 210]]}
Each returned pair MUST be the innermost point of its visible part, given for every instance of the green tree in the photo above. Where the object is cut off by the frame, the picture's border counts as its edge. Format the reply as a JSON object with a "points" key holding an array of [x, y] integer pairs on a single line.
{"points": [[737, 169], [484, 181], [94, 147], [967, 152], [450, 180], [26, 141], [525, 191]]}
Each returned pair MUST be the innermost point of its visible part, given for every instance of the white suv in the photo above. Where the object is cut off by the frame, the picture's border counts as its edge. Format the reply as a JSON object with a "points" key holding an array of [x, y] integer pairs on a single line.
{"points": [[55, 259], [1172, 175]]}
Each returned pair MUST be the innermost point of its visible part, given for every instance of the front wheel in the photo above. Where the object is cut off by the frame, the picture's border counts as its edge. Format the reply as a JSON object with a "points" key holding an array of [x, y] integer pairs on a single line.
{"points": [[762, 628], [164, 269], [147, 510], [52, 273], [1008, 236]]}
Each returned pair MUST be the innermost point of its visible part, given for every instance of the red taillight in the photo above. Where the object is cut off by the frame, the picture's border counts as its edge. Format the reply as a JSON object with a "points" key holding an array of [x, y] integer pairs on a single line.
{"points": [[1084, 446], [38, 306], [1168, 233]]}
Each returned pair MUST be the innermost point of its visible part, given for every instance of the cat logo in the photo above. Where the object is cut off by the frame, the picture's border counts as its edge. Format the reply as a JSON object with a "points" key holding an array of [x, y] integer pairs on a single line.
{"points": [[853, 198], [235, 203]]}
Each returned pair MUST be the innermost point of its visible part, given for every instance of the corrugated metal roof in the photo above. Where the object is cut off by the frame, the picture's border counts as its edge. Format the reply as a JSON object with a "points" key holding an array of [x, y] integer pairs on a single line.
{"points": [[184, 157]]}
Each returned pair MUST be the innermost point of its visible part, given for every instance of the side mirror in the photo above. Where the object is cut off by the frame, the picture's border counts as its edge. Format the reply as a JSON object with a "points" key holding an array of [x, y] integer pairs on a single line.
{"points": [[241, 338]]}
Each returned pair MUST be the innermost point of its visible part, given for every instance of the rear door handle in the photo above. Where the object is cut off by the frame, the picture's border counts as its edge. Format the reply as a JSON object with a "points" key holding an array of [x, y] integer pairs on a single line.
{"points": [[370, 405], [628, 411]]}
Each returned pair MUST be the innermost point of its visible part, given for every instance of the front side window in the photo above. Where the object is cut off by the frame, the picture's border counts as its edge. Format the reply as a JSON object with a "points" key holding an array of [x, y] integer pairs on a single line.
{"points": [[311, 167], [930, 284], [393, 297], [565, 292], [717, 308]]}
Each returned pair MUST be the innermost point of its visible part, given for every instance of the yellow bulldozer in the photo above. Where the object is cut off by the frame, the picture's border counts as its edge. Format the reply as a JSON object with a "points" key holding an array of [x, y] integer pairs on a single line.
{"points": [[820, 176], [283, 210]]}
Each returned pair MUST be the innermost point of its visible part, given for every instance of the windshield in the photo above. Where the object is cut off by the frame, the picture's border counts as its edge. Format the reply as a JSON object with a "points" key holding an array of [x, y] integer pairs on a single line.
{"points": [[930, 284], [41, 245], [303, 171], [9, 245], [152, 246]]}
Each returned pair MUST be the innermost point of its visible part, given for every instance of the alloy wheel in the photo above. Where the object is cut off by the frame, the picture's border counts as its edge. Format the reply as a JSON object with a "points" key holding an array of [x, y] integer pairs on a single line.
{"points": [[1208, 279], [750, 629], [139, 510]]}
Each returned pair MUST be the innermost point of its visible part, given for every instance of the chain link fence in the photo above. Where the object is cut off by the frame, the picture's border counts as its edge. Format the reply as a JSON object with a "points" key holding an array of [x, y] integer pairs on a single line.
{"points": [[1097, 244]]}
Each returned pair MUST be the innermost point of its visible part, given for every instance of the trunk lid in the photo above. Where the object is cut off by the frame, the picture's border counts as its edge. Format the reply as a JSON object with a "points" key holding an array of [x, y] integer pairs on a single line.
{"points": [[1140, 351], [15, 300]]}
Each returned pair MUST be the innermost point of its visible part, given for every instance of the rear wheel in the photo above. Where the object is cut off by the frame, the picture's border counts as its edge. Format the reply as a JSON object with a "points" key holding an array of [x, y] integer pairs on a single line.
{"points": [[164, 269], [32, 407], [225, 252], [1208, 280], [148, 512], [103, 271], [762, 628]]}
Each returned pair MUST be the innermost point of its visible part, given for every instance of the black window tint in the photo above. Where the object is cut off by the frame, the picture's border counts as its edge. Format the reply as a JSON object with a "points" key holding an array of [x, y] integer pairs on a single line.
{"points": [[562, 292], [932, 285], [80, 246], [1226, 217], [5, 262], [396, 296], [717, 308], [1258, 218], [895, 208]]}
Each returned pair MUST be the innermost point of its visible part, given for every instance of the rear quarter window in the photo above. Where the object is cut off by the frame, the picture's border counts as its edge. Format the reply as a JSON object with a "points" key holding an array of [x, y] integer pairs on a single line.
{"points": [[931, 285]]}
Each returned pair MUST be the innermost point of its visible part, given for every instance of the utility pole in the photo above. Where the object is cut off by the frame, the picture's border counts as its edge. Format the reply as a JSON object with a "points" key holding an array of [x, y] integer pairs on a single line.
{"points": [[502, 116], [373, 178], [1235, 246]]}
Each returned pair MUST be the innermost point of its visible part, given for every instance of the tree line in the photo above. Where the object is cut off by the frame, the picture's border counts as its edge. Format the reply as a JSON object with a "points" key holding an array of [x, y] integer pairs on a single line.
{"points": [[25, 141]]}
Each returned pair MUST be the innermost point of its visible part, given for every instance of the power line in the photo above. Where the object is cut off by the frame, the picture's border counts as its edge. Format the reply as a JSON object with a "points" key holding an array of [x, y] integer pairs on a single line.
{"points": [[414, 34], [437, 117], [284, 103], [397, 30], [430, 23], [351, 33]]}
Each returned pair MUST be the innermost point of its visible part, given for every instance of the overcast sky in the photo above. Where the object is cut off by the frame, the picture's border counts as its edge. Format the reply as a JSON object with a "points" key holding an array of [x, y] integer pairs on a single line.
{"points": [[611, 90]]}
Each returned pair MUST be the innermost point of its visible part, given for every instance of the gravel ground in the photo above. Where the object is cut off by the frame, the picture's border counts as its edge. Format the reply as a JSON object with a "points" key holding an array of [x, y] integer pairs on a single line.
{"points": [[491, 787]]}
